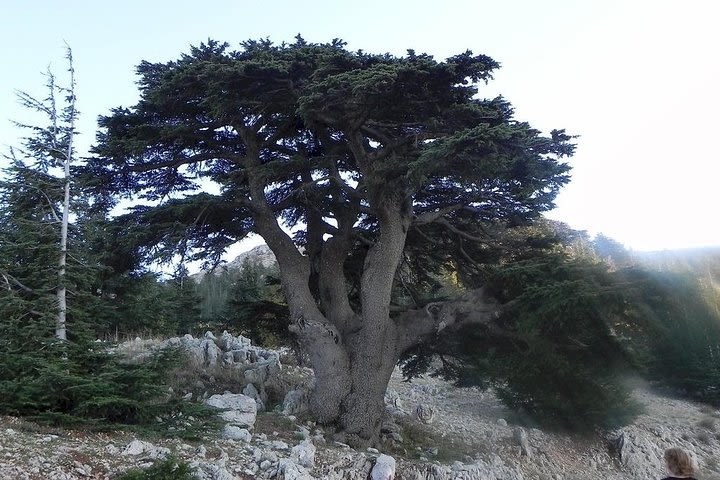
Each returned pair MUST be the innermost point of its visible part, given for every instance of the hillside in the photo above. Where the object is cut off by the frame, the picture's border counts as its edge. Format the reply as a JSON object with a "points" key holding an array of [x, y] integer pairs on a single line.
{"points": [[468, 435]]}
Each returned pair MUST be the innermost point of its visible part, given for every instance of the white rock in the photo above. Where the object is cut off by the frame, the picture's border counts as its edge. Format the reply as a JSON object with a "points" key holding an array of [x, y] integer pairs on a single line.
{"points": [[295, 402], [211, 352], [138, 447], [280, 445], [251, 391], [384, 468], [239, 419], [291, 471], [304, 454], [233, 432], [232, 401], [228, 358], [521, 438], [240, 410]]}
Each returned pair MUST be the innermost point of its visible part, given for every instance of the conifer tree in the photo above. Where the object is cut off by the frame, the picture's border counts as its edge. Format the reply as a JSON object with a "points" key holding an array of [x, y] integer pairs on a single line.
{"points": [[375, 155], [49, 148]]}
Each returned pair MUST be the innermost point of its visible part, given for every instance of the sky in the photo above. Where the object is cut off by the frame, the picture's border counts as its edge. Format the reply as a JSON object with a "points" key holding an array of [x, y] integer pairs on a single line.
{"points": [[637, 80]]}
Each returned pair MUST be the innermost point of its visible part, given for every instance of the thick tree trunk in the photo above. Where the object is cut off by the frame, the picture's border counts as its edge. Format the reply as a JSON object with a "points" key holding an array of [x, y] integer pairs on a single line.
{"points": [[353, 398], [364, 407]]}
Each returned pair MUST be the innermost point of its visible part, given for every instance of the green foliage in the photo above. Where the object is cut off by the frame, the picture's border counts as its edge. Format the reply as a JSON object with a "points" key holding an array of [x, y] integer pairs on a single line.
{"points": [[257, 307], [75, 381], [683, 333], [579, 317], [167, 469], [562, 363], [247, 299], [291, 120], [555, 358]]}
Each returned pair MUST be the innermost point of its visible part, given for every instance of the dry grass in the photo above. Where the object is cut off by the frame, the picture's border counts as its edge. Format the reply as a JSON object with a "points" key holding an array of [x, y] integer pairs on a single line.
{"points": [[419, 439], [271, 423]]}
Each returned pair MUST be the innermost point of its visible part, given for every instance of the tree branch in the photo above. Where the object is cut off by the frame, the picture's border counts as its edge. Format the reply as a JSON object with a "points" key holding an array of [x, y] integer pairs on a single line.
{"points": [[200, 157], [10, 279], [429, 217], [444, 222], [475, 306]]}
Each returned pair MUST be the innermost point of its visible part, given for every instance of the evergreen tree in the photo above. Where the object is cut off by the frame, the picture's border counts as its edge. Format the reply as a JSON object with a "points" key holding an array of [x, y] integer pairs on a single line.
{"points": [[47, 370], [373, 154], [256, 305]]}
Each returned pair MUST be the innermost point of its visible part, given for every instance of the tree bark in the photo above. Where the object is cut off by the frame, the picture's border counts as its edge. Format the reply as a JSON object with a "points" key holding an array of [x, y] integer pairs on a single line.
{"points": [[61, 327]]}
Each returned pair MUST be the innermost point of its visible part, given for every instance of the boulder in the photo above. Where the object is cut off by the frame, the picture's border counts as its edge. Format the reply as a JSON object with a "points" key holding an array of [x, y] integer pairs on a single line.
{"points": [[239, 410], [252, 392], [384, 468], [263, 369], [304, 454], [233, 432], [521, 438], [291, 471], [239, 419], [392, 399], [211, 352], [228, 358], [232, 401], [138, 447], [226, 341], [295, 402], [638, 454]]}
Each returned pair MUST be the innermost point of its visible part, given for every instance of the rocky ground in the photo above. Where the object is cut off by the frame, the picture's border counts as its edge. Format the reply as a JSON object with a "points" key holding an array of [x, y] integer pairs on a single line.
{"points": [[455, 433]]}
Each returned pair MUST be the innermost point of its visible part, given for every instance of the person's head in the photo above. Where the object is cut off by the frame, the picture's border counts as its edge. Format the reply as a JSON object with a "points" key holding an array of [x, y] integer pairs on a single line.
{"points": [[679, 462]]}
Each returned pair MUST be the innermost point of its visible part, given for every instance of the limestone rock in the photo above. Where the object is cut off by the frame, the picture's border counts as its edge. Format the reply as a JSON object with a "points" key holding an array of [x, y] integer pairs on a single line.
{"points": [[392, 399], [139, 447], [384, 468], [252, 392], [232, 401], [239, 410], [211, 352], [233, 432], [239, 419], [304, 454], [291, 471], [295, 402], [521, 438]]}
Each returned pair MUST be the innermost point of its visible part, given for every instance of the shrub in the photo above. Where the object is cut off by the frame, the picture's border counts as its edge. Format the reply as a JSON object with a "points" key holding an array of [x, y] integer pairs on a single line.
{"points": [[168, 469]]}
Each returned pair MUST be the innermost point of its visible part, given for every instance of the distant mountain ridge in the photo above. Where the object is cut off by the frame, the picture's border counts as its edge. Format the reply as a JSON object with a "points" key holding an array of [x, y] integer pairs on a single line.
{"points": [[260, 254]]}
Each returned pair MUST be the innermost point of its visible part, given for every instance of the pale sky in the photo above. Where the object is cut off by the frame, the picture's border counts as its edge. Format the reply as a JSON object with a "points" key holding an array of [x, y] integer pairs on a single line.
{"points": [[638, 80]]}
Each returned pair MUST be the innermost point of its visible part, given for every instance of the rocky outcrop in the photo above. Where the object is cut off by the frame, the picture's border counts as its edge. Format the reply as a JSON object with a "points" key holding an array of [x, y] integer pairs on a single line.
{"points": [[469, 425]]}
